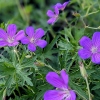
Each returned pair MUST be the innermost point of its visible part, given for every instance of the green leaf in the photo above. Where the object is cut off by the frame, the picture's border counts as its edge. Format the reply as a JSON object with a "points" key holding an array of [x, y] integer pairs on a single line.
{"points": [[50, 46], [65, 46], [97, 86], [25, 77], [78, 90]]}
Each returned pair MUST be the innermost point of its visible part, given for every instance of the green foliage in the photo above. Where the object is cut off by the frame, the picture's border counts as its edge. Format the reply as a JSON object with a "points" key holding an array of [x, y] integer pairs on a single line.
{"points": [[22, 73]]}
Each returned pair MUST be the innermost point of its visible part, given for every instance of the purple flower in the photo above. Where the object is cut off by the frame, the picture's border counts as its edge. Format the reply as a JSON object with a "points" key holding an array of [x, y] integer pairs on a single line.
{"points": [[61, 6], [91, 48], [10, 38], [33, 38], [53, 15], [62, 91]]}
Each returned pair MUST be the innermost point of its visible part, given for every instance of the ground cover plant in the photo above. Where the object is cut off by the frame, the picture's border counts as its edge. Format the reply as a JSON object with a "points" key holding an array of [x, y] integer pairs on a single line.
{"points": [[49, 50]]}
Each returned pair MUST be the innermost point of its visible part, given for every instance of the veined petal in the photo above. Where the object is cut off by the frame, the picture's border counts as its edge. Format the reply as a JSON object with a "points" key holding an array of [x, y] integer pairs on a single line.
{"points": [[41, 43], [54, 79], [3, 43], [3, 34], [39, 33], [96, 58], [30, 31], [52, 21], [53, 95], [85, 42], [25, 40], [50, 13], [31, 47], [64, 76], [84, 53], [72, 95], [96, 39], [20, 35], [56, 10], [11, 30]]}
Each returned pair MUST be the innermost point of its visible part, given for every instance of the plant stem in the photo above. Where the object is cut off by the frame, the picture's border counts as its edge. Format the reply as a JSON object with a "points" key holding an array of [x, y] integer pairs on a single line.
{"points": [[91, 13], [81, 18], [51, 68], [52, 33], [88, 88], [17, 54], [92, 27], [86, 26]]}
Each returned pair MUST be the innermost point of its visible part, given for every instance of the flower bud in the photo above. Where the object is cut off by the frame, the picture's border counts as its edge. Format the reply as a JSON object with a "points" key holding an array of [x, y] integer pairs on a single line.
{"points": [[4, 95], [83, 70], [39, 63], [76, 14], [28, 56]]}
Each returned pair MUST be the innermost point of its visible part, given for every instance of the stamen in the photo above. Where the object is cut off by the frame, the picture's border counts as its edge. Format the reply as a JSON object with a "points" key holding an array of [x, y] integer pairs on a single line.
{"points": [[94, 49], [10, 40]]}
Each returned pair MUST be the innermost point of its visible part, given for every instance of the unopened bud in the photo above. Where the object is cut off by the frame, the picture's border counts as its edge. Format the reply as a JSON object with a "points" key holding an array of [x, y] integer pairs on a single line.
{"points": [[39, 63], [76, 14], [83, 70], [28, 56], [4, 95]]}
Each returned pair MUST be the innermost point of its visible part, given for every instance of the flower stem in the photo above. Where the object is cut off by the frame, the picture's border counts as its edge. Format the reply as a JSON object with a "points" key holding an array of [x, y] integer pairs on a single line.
{"points": [[48, 66], [86, 26], [52, 33], [81, 18], [91, 13], [88, 88], [17, 54], [92, 27]]}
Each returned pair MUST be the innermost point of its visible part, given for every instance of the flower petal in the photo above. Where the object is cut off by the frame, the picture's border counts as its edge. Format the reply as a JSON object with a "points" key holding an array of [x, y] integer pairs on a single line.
{"points": [[31, 47], [39, 33], [3, 43], [25, 40], [30, 31], [96, 58], [64, 76], [73, 95], [64, 5], [50, 13], [53, 95], [85, 42], [56, 10], [52, 21], [58, 5], [11, 30], [84, 53], [41, 43], [54, 79], [20, 35], [13, 44], [96, 39], [3, 34]]}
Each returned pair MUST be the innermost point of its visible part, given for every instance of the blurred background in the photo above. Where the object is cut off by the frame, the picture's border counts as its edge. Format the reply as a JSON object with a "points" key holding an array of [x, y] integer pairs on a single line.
{"points": [[26, 12]]}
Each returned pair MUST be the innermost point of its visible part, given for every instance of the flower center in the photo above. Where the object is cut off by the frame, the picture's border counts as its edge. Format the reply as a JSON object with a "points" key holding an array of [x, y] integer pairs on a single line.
{"points": [[10, 40], [32, 40], [66, 94], [94, 49], [55, 16]]}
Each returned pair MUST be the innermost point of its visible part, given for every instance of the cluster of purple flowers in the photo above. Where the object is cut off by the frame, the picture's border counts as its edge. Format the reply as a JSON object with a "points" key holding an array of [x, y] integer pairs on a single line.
{"points": [[10, 38], [90, 48], [55, 14]]}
